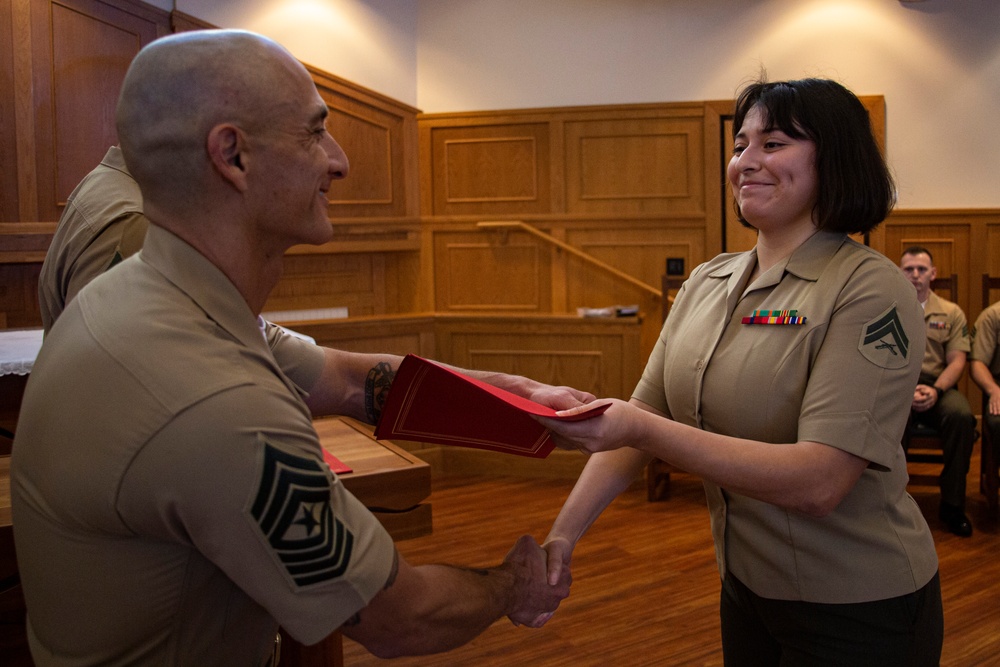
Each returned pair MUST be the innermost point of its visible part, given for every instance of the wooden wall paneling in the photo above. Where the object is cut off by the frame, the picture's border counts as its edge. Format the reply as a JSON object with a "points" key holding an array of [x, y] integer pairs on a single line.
{"points": [[81, 52], [490, 169], [26, 16], [378, 135], [9, 53], [366, 283], [560, 272], [352, 280], [19, 296], [636, 166], [639, 249], [25, 242], [491, 271], [557, 166], [717, 112], [392, 334], [62, 68], [402, 283], [992, 247], [600, 356]]}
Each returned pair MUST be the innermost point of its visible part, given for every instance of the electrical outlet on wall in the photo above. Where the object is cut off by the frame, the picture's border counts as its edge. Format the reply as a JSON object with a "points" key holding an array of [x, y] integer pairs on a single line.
{"points": [[675, 266]]}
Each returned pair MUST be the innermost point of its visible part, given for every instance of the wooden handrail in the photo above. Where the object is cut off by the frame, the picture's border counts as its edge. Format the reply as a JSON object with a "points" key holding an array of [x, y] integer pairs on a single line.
{"points": [[590, 259]]}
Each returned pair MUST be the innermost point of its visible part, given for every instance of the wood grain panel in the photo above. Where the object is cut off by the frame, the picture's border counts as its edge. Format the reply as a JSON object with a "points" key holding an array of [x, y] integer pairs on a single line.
{"points": [[476, 170], [379, 136], [19, 296], [645, 165], [639, 250], [394, 334], [369, 147], [601, 356], [491, 169], [8, 127], [475, 271], [573, 368], [992, 246], [354, 281], [84, 51], [91, 58]]}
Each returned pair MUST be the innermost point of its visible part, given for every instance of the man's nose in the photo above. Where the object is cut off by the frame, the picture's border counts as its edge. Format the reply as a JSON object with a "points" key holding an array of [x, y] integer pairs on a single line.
{"points": [[339, 164]]}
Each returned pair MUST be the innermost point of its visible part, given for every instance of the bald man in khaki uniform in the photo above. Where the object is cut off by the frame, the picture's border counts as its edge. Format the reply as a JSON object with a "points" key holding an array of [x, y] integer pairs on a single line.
{"points": [[170, 501]]}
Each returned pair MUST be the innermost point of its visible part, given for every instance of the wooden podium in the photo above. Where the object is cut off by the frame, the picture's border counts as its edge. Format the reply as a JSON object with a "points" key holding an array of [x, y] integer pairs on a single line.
{"points": [[387, 479]]}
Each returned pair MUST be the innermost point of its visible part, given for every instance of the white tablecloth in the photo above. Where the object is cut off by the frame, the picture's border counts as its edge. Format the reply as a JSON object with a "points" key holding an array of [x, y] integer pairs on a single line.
{"points": [[18, 349]]}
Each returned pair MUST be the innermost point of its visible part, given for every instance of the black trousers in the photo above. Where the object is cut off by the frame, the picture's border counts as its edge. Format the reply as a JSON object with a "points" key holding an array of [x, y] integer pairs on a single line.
{"points": [[906, 631]]}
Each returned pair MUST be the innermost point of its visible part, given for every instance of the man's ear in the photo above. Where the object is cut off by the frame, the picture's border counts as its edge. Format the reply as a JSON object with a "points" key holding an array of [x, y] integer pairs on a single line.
{"points": [[226, 145]]}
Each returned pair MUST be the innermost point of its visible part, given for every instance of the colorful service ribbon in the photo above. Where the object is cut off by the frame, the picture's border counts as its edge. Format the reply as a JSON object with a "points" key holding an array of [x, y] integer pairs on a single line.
{"points": [[762, 316]]}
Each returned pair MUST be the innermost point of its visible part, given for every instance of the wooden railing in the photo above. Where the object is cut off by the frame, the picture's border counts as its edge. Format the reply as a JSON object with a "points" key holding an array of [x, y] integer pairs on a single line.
{"points": [[589, 259]]}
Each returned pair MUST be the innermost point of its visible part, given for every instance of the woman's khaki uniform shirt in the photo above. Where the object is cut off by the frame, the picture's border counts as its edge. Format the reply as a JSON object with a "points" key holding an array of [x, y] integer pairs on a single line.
{"points": [[844, 378]]}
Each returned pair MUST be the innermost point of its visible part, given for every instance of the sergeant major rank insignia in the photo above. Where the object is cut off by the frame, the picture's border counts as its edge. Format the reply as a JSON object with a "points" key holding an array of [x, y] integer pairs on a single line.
{"points": [[292, 510], [884, 342]]}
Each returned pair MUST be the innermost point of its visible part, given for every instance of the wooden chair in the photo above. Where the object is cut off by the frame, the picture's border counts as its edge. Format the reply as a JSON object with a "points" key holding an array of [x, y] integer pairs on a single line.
{"points": [[989, 480], [922, 443], [658, 472]]}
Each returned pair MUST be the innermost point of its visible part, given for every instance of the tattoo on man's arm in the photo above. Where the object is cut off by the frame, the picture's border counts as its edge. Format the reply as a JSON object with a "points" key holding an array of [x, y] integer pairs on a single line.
{"points": [[376, 388]]}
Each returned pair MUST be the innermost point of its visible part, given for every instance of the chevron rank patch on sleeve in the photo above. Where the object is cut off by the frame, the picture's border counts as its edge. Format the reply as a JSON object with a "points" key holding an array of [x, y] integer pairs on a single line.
{"points": [[884, 342], [292, 510]]}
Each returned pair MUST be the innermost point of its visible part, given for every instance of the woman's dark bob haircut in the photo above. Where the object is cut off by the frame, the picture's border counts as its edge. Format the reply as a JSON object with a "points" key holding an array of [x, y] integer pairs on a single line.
{"points": [[856, 190]]}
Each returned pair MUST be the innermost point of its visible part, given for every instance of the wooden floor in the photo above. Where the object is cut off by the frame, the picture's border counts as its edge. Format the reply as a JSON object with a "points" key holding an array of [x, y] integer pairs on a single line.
{"points": [[646, 588]]}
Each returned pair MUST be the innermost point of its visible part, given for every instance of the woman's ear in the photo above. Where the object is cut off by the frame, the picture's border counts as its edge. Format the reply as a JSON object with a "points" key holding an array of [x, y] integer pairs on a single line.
{"points": [[226, 144]]}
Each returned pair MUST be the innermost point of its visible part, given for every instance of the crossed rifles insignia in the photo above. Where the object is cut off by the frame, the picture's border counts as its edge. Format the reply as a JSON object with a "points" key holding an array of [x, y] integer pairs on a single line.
{"points": [[884, 342]]}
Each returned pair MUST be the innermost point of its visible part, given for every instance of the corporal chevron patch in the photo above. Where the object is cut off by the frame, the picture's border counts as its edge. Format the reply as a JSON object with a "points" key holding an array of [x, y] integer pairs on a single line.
{"points": [[292, 510], [884, 341]]}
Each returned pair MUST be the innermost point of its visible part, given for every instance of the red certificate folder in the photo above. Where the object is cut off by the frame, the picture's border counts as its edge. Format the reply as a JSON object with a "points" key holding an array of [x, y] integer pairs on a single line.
{"points": [[336, 465], [431, 403]]}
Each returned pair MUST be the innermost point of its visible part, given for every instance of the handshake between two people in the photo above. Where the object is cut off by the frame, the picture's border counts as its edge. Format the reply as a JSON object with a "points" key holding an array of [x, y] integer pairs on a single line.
{"points": [[539, 588]]}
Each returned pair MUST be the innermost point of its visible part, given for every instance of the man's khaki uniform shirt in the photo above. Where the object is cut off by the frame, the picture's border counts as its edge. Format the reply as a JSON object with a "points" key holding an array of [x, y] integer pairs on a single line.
{"points": [[986, 339], [101, 224], [947, 331], [844, 378], [170, 501]]}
